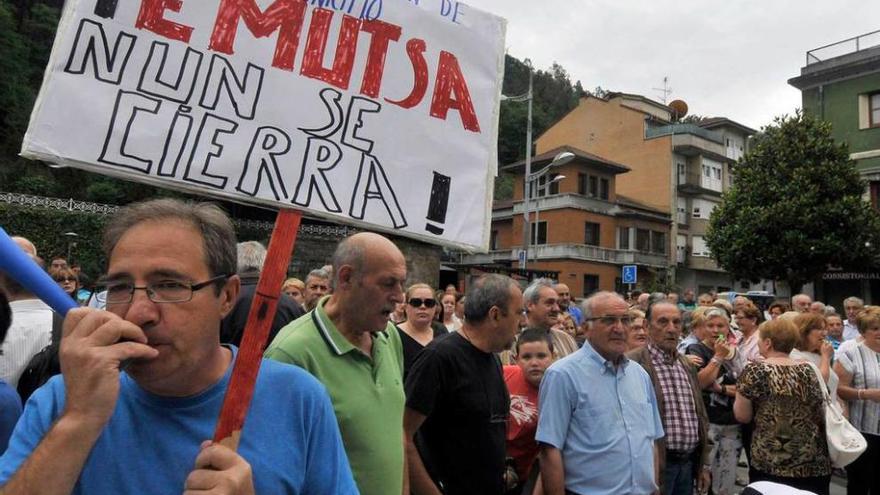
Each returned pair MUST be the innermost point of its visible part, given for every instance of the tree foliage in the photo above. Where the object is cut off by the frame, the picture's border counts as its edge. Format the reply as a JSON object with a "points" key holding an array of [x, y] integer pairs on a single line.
{"points": [[795, 208], [554, 96]]}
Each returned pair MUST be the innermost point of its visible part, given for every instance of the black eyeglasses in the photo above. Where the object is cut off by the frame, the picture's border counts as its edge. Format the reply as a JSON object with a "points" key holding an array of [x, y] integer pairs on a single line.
{"points": [[65, 279], [611, 320], [417, 302], [166, 291]]}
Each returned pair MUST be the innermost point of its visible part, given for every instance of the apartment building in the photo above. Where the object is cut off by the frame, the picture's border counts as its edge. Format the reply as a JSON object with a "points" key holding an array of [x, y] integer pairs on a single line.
{"points": [[840, 83], [581, 226], [679, 169]]}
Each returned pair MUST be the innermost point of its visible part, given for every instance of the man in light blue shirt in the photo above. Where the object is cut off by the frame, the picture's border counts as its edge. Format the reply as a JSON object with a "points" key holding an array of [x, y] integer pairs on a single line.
{"points": [[598, 418]]}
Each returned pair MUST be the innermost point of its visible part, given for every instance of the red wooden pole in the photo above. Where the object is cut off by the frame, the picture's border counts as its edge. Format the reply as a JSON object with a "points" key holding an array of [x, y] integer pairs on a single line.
{"points": [[244, 374]]}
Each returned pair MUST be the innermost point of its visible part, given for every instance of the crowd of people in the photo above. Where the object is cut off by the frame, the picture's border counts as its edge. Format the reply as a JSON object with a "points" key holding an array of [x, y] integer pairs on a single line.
{"points": [[377, 386]]}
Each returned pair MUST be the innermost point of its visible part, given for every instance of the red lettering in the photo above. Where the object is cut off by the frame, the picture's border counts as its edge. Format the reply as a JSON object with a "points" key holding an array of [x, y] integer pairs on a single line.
{"points": [[316, 44], [450, 80], [415, 48], [382, 33], [150, 18], [284, 16]]}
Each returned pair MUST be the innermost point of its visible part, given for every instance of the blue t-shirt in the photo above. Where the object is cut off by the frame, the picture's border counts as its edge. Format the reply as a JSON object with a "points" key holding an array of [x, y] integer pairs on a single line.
{"points": [[290, 437], [10, 410]]}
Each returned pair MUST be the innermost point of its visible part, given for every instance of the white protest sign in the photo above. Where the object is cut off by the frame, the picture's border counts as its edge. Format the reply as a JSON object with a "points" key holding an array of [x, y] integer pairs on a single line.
{"points": [[377, 113]]}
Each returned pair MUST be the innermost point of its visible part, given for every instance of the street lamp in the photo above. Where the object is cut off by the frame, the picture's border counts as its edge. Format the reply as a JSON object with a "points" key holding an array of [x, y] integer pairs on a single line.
{"points": [[560, 159], [71, 243], [538, 189]]}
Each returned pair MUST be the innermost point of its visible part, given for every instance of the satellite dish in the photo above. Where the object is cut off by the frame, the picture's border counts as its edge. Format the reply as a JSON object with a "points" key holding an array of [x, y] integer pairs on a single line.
{"points": [[679, 109]]}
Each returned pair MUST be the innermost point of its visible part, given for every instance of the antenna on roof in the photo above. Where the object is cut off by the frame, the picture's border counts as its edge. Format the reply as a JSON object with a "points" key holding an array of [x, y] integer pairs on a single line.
{"points": [[665, 90]]}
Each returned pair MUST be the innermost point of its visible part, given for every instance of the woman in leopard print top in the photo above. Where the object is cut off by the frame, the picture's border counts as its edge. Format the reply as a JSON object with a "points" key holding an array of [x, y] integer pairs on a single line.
{"points": [[784, 398]]}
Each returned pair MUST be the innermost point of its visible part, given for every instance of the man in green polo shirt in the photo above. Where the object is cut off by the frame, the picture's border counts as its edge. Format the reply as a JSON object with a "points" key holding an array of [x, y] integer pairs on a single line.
{"points": [[348, 344]]}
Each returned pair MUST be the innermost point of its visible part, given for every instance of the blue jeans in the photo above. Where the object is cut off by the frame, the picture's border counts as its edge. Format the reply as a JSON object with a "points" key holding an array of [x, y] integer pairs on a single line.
{"points": [[678, 478]]}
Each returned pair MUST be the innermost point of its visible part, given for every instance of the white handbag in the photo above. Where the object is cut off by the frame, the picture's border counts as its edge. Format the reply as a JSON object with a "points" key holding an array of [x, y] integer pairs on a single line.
{"points": [[845, 442]]}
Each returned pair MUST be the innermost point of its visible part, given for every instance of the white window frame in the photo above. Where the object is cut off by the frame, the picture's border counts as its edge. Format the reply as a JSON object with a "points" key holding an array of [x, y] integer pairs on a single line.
{"points": [[712, 174], [699, 249]]}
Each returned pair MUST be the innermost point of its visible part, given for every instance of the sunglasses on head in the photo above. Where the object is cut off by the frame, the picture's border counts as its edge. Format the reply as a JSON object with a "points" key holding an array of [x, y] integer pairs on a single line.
{"points": [[417, 302]]}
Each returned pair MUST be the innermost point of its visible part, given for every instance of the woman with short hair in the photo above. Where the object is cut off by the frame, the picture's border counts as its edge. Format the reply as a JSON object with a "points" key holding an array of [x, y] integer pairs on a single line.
{"points": [[637, 334], [68, 280], [718, 370], [294, 288], [783, 398], [859, 369]]}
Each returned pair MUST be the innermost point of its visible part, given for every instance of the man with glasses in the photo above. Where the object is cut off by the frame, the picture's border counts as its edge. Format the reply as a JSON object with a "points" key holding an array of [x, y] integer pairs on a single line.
{"points": [[349, 345], [457, 401], [598, 419], [684, 450], [144, 381]]}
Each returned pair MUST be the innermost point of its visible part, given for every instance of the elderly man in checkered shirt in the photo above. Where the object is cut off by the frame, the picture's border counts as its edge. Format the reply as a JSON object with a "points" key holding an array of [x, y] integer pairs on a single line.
{"points": [[684, 451]]}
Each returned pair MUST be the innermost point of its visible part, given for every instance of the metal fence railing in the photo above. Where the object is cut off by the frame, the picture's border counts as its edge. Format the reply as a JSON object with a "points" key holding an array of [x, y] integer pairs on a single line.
{"points": [[73, 205], [844, 47]]}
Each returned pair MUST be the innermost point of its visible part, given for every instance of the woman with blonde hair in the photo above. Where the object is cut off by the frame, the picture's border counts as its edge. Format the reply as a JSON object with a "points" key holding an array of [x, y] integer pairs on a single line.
{"points": [[783, 398], [294, 288], [718, 371], [417, 332]]}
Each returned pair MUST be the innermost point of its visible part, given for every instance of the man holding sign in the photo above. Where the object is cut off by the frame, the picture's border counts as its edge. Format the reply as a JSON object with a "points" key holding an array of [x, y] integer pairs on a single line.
{"points": [[144, 381]]}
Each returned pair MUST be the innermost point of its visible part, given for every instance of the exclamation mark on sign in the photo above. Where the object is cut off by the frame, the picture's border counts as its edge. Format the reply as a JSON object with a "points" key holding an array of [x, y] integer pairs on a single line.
{"points": [[438, 203], [106, 8]]}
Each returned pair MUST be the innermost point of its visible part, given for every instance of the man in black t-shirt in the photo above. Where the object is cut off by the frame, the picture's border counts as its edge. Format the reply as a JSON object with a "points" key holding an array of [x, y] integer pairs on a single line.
{"points": [[457, 400]]}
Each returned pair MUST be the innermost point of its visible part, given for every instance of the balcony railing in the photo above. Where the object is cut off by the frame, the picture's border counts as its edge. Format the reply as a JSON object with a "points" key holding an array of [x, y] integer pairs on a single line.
{"points": [[565, 200], [571, 251], [679, 129], [844, 47]]}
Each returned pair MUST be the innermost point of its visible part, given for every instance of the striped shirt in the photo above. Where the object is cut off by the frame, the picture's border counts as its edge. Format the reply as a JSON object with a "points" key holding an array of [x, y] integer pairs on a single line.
{"points": [[30, 332], [679, 413], [864, 366]]}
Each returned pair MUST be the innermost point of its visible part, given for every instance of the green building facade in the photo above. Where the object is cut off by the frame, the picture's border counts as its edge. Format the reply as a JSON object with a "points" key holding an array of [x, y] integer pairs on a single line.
{"points": [[840, 83]]}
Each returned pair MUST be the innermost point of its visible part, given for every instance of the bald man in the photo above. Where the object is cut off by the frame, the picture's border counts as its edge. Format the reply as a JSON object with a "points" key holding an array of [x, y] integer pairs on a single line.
{"points": [[348, 344], [26, 245], [801, 303], [565, 304]]}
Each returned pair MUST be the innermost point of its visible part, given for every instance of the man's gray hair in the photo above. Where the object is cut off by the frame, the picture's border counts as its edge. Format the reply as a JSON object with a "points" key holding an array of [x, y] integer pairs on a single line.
{"points": [[217, 232], [318, 273], [533, 292], [347, 252], [588, 306], [251, 256], [853, 300], [487, 291]]}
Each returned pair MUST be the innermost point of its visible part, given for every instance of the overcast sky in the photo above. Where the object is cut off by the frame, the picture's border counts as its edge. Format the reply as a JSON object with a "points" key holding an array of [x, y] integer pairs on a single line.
{"points": [[724, 58]]}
